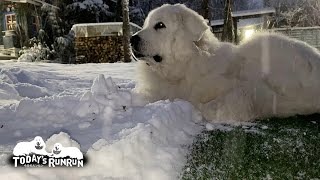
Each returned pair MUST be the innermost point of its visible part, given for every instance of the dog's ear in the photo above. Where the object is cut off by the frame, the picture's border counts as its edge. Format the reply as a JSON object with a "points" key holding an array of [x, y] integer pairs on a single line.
{"points": [[193, 22]]}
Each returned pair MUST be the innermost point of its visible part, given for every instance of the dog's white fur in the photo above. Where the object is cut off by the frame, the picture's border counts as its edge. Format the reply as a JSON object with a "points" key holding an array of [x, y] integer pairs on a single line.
{"points": [[270, 75]]}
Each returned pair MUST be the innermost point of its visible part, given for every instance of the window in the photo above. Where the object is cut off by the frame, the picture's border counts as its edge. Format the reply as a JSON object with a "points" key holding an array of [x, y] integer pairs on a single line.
{"points": [[11, 22]]}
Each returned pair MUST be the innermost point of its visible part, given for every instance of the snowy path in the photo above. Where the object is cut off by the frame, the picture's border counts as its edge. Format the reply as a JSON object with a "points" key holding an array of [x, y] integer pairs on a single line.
{"points": [[63, 103]]}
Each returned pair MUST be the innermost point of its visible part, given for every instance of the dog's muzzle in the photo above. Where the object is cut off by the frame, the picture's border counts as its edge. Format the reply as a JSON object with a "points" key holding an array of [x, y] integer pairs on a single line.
{"points": [[135, 44]]}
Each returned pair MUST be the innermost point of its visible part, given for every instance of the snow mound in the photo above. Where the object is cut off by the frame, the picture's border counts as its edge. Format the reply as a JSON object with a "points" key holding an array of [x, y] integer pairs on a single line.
{"points": [[16, 84], [62, 138], [122, 139], [149, 150], [31, 91], [7, 91], [104, 96]]}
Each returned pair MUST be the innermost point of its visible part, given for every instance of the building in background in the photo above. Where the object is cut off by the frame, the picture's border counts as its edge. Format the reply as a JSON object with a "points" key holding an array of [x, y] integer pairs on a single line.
{"points": [[245, 23], [100, 42], [20, 20]]}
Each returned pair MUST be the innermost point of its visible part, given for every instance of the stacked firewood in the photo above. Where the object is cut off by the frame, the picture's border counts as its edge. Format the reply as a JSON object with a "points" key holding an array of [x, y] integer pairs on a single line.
{"points": [[102, 49]]}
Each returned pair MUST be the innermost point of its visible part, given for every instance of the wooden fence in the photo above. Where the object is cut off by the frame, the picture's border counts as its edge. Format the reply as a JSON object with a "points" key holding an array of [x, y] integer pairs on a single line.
{"points": [[310, 35]]}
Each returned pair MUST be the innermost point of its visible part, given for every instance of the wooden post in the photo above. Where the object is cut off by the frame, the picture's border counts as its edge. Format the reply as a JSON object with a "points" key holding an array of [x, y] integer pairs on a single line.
{"points": [[126, 31], [227, 34], [235, 26]]}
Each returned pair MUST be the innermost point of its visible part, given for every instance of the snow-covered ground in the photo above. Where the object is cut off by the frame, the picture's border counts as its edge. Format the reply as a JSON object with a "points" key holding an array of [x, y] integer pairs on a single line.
{"points": [[92, 105]]}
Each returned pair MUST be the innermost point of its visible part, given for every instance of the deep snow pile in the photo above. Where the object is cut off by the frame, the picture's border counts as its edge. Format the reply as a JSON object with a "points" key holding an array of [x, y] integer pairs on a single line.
{"points": [[16, 83], [122, 138]]}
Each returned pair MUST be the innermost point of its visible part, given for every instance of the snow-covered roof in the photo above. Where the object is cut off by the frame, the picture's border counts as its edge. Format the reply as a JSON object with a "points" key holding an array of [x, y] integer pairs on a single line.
{"points": [[101, 29], [34, 2], [218, 22], [249, 17], [253, 12], [242, 22], [250, 22]]}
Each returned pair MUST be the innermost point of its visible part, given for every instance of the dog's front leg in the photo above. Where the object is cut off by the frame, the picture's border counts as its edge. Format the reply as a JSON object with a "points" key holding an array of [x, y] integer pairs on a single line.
{"points": [[235, 106]]}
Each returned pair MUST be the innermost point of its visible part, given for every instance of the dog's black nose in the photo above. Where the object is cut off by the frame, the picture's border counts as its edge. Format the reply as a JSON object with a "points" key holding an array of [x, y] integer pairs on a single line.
{"points": [[135, 39]]}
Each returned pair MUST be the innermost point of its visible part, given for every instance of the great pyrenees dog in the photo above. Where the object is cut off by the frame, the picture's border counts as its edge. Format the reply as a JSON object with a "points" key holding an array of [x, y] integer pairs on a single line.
{"points": [[269, 75]]}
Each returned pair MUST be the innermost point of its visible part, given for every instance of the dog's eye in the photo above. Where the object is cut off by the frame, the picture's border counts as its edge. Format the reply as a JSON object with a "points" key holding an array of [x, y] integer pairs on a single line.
{"points": [[159, 25]]}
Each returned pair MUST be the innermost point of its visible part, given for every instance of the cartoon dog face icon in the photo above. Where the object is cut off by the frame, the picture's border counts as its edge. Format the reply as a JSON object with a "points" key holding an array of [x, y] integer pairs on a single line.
{"points": [[39, 143], [57, 148]]}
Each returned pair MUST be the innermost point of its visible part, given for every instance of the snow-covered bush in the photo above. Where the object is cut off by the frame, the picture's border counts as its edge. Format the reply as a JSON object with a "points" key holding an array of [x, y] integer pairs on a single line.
{"points": [[37, 49], [137, 15], [295, 13], [52, 24], [38, 52], [89, 11], [63, 48]]}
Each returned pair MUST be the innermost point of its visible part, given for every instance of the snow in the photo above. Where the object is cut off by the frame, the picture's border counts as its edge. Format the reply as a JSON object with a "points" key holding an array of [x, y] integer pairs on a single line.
{"points": [[36, 53], [218, 22], [220, 127], [243, 23], [252, 12], [92, 5], [101, 29], [93, 107], [250, 22]]}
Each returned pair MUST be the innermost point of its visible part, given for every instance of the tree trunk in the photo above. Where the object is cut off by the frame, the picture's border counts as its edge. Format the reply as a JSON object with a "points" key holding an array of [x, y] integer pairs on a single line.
{"points": [[126, 31], [227, 33]]}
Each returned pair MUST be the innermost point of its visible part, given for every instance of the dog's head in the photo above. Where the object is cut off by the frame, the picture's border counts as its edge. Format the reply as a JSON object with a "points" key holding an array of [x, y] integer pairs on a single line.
{"points": [[39, 143], [168, 37], [57, 148]]}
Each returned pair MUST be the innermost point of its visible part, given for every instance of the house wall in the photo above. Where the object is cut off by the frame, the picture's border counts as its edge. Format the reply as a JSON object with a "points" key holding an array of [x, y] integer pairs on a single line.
{"points": [[25, 20], [1, 29]]}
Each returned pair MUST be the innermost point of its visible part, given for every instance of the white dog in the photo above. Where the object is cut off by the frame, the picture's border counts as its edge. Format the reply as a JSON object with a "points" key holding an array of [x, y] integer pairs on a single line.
{"points": [[59, 151], [36, 146], [270, 75]]}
